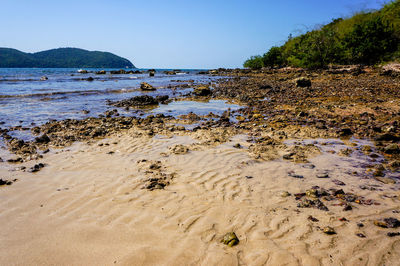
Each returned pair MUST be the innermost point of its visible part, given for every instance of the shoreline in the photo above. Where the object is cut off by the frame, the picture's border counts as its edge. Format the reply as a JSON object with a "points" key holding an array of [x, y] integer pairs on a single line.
{"points": [[149, 191]]}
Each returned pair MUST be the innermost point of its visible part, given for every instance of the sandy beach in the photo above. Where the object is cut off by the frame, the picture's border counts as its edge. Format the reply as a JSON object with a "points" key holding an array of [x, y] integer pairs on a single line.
{"points": [[88, 206], [295, 186]]}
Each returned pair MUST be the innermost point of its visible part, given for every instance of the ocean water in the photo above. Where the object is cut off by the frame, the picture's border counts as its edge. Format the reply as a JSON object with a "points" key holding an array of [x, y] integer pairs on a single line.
{"points": [[26, 101]]}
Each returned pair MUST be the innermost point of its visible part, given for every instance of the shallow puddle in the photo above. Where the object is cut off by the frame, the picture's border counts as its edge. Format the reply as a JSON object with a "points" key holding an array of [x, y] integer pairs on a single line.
{"points": [[200, 108]]}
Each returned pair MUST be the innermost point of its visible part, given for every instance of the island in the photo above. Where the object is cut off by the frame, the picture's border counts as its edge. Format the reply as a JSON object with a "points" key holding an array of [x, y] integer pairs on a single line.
{"points": [[62, 58]]}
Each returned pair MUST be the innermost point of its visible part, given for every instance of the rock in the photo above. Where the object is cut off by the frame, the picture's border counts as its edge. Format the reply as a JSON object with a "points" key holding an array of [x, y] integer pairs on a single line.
{"points": [[44, 139], [312, 193], [302, 82], [385, 180], [179, 149], [338, 182], [388, 223], [322, 175], [392, 222], [312, 203], [392, 234], [202, 91], [329, 230], [36, 168], [146, 87], [137, 101], [230, 239], [387, 137], [288, 156], [392, 149], [348, 207], [285, 194], [83, 71], [343, 132], [237, 146], [90, 79], [366, 149], [360, 235], [170, 72], [151, 73], [121, 71], [312, 219], [101, 72], [292, 174], [345, 152], [154, 166], [15, 160], [5, 182], [44, 78], [308, 166]]}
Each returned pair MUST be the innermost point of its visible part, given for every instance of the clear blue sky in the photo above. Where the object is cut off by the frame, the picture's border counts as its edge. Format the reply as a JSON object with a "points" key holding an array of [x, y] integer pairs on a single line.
{"points": [[169, 33]]}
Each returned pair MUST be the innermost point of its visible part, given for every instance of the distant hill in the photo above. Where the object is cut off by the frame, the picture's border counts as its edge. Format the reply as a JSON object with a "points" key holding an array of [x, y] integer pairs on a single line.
{"points": [[370, 37], [62, 58]]}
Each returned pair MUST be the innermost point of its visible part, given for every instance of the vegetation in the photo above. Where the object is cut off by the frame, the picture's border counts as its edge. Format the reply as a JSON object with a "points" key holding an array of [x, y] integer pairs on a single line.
{"points": [[62, 57], [365, 38]]}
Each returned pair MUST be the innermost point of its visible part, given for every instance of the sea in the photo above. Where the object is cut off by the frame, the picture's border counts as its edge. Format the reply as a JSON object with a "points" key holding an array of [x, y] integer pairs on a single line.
{"points": [[27, 101]]}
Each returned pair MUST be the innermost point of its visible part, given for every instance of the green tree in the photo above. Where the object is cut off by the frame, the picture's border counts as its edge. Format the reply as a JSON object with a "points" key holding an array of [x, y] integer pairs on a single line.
{"points": [[371, 41], [255, 62], [273, 57]]}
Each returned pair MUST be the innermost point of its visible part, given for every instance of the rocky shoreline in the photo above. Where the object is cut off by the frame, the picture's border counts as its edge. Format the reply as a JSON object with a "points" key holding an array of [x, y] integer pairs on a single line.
{"points": [[310, 153], [278, 104]]}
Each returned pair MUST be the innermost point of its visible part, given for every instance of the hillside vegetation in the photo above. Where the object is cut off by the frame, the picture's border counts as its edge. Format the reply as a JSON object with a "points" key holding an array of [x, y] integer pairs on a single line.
{"points": [[365, 38], [62, 58]]}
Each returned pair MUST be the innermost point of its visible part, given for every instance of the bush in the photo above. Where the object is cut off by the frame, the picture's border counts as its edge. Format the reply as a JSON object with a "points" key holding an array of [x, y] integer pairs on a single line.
{"points": [[371, 41], [366, 38], [273, 57], [255, 62]]}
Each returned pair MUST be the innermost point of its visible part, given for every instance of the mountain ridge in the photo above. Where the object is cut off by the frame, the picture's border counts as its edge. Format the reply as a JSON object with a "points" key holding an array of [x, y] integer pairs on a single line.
{"points": [[61, 58]]}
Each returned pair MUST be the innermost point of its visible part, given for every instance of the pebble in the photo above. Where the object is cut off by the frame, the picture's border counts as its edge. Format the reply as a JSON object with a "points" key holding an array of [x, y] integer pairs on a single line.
{"points": [[237, 146], [308, 166], [338, 182], [292, 174], [322, 175], [230, 239], [329, 230], [36, 168]]}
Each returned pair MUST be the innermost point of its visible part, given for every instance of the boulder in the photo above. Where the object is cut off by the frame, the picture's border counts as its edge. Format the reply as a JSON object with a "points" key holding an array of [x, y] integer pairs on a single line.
{"points": [[101, 72], [42, 139], [392, 149], [146, 87], [170, 72], [121, 71], [151, 74], [302, 82], [202, 91]]}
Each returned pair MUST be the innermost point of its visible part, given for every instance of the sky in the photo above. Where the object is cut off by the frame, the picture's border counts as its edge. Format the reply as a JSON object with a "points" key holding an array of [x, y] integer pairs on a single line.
{"points": [[167, 34]]}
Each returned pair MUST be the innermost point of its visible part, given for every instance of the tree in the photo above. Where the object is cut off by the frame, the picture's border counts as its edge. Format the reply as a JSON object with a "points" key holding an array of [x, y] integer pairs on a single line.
{"points": [[255, 62], [371, 41], [273, 57]]}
